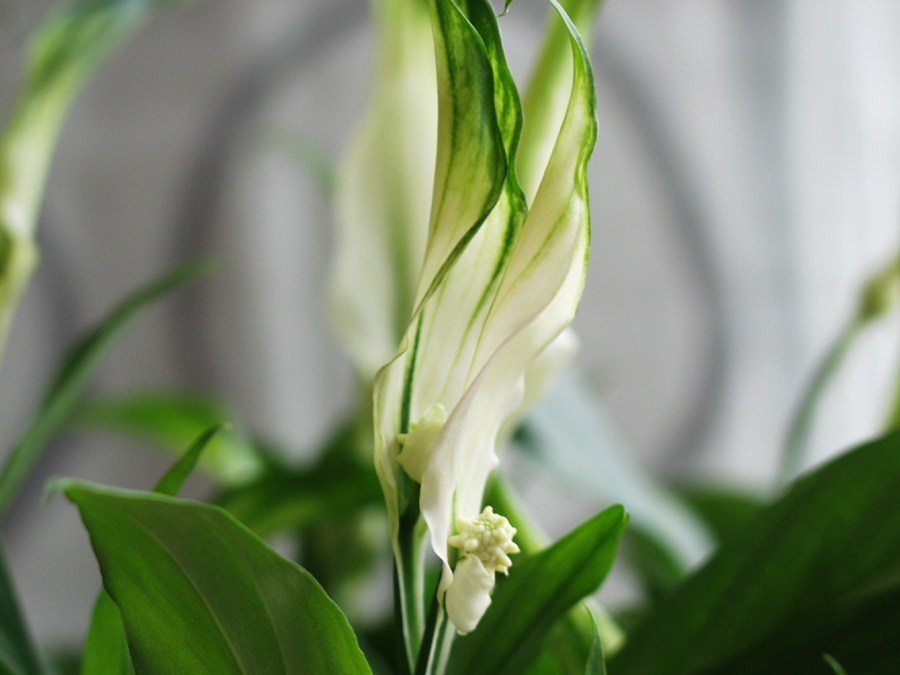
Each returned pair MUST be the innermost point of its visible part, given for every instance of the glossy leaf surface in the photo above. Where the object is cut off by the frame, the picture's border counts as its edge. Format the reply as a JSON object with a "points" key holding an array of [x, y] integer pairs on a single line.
{"points": [[199, 593], [539, 590]]}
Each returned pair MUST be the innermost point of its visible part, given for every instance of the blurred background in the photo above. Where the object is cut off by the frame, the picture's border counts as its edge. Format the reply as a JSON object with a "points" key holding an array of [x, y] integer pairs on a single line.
{"points": [[746, 180]]}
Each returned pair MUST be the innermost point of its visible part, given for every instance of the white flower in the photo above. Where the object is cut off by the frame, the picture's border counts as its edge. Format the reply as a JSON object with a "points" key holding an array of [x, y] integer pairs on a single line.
{"points": [[499, 283]]}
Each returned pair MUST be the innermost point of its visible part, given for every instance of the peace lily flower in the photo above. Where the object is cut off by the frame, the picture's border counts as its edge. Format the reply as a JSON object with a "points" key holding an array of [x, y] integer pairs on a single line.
{"points": [[499, 282]]}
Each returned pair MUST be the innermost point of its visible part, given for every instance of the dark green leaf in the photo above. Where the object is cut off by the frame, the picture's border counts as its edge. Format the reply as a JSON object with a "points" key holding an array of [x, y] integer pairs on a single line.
{"points": [[726, 511], [285, 499], [172, 420], [77, 367], [539, 590], [854, 636], [832, 534], [596, 663], [17, 653], [199, 593], [106, 648]]}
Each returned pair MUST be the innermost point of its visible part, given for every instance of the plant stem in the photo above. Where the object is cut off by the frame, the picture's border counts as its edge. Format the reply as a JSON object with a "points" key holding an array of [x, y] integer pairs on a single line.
{"points": [[798, 433], [428, 636], [409, 582]]}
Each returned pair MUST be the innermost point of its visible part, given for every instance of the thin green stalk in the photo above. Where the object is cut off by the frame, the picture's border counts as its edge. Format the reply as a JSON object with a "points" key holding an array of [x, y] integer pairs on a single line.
{"points": [[879, 295], [795, 446], [431, 624], [410, 582]]}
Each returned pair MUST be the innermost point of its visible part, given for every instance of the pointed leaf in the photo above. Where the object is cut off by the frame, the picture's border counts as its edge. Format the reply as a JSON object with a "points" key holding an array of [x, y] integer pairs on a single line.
{"points": [[106, 648], [538, 591], [198, 592], [171, 482], [833, 533], [77, 367]]}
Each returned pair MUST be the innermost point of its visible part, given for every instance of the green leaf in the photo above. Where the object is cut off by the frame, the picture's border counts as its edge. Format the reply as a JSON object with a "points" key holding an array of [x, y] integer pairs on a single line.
{"points": [[77, 367], [17, 653], [831, 535], [855, 636], [199, 593], [596, 663], [63, 54], [171, 482], [171, 420], [725, 510], [284, 499], [539, 590], [106, 647]]}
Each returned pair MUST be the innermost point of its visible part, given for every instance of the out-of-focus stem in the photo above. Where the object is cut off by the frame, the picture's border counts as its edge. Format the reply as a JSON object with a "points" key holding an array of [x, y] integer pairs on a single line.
{"points": [[795, 446]]}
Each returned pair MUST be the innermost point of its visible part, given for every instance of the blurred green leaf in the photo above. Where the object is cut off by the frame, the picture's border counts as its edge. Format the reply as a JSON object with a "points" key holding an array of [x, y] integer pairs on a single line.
{"points": [[171, 420], [75, 371], [106, 648], [539, 590], [855, 636], [725, 510], [17, 653], [596, 663], [801, 559], [63, 53], [834, 665], [569, 433], [166, 563], [287, 499]]}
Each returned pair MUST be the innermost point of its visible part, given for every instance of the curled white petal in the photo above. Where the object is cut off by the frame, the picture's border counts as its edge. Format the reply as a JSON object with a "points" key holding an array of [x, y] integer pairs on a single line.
{"points": [[469, 594]]}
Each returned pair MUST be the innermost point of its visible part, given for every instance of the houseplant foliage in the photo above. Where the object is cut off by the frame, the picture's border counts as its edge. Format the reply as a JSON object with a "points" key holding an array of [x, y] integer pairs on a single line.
{"points": [[465, 208]]}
